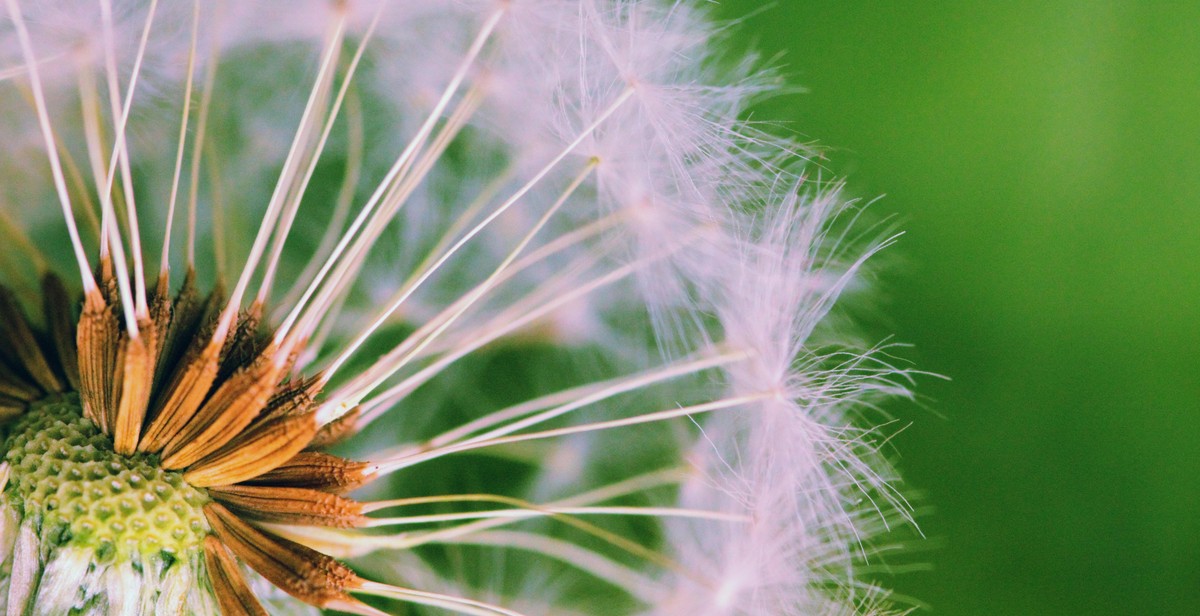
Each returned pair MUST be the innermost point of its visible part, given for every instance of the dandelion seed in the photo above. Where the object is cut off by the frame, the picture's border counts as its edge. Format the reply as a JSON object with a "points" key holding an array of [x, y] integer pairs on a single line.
{"points": [[382, 205]]}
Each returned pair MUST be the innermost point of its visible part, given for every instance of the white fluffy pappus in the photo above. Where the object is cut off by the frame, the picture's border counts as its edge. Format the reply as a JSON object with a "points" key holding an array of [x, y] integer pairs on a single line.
{"points": [[798, 463], [575, 305]]}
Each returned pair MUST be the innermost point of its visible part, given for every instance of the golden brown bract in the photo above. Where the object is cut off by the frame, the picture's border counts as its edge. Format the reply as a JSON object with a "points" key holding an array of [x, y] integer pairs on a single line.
{"points": [[226, 413]]}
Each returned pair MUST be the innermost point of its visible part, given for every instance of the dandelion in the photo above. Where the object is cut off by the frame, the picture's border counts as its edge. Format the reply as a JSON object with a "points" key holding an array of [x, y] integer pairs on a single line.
{"points": [[491, 307]]}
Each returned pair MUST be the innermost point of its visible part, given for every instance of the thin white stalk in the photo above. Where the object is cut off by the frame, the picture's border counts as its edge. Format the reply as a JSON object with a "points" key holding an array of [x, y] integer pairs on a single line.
{"points": [[390, 466], [670, 372], [379, 403], [341, 210], [529, 185], [165, 260], [395, 198], [460, 605], [460, 223], [522, 514], [543, 300], [401, 163], [467, 301], [514, 412], [206, 95], [60, 186], [16, 71], [567, 240], [298, 194], [552, 294], [114, 248], [285, 177], [357, 544], [312, 348], [588, 561], [120, 147]]}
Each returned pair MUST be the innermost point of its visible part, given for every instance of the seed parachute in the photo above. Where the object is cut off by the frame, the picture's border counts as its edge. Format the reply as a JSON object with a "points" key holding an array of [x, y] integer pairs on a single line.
{"points": [[493, 307]]}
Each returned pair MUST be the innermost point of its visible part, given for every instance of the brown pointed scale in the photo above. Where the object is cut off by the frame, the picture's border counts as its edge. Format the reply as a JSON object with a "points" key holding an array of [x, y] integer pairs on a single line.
{"points": [[185, 313], [316, 470], [304, 573], [294, 397], [23, 344], [333, 432], [254, 452], [234, 596], [136, 378], [161, 313], [190, 381], [10, 409], [60, 318], [225, 414], [290, 506], [98, 338], [16, 386], [160, 301], [106, 279], [245, 343], [115, 381]]}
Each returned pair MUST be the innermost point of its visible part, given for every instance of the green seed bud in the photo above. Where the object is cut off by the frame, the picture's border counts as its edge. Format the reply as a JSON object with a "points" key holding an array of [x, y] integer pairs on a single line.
{"points": [[65, 474], [86, 530]]}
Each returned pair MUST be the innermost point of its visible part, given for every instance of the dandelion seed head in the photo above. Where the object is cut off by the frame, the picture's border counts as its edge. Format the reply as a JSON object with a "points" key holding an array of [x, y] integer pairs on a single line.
{"points": [[492, 307]]}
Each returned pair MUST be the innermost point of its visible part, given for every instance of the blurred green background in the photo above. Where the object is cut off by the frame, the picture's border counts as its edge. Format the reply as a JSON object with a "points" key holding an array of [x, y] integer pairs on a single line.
{"points": [[1044, 159]]}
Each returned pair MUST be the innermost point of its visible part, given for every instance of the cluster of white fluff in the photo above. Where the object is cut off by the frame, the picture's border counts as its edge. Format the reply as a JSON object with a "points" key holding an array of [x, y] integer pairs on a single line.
{"points": [[687, 222]]}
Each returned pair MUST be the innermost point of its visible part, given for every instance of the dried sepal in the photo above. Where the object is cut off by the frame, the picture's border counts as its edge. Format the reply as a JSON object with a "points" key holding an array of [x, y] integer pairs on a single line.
{"points": [[98, 339], [300, 571], [137, 367], [245, 344], [179, 330], [291, 506], [335, 431], [189, 383], [22, 345], [232, 407], [254, 452], [229, 585], [317, 471], [294, 397], [60, 318]]}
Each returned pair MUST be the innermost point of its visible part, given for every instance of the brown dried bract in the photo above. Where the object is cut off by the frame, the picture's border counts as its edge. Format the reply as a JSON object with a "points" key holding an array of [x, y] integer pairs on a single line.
{"points": [[229, 585], [300, 571], [226, 413]]}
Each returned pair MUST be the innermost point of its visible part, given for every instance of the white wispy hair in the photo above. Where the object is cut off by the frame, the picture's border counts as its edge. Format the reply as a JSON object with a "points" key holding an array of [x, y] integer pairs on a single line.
{"points": [[796, 464], [575, 172]]}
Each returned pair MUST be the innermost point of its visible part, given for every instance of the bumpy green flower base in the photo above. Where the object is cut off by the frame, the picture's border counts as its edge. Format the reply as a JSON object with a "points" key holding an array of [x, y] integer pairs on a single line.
{"points": [[64, 472]]}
